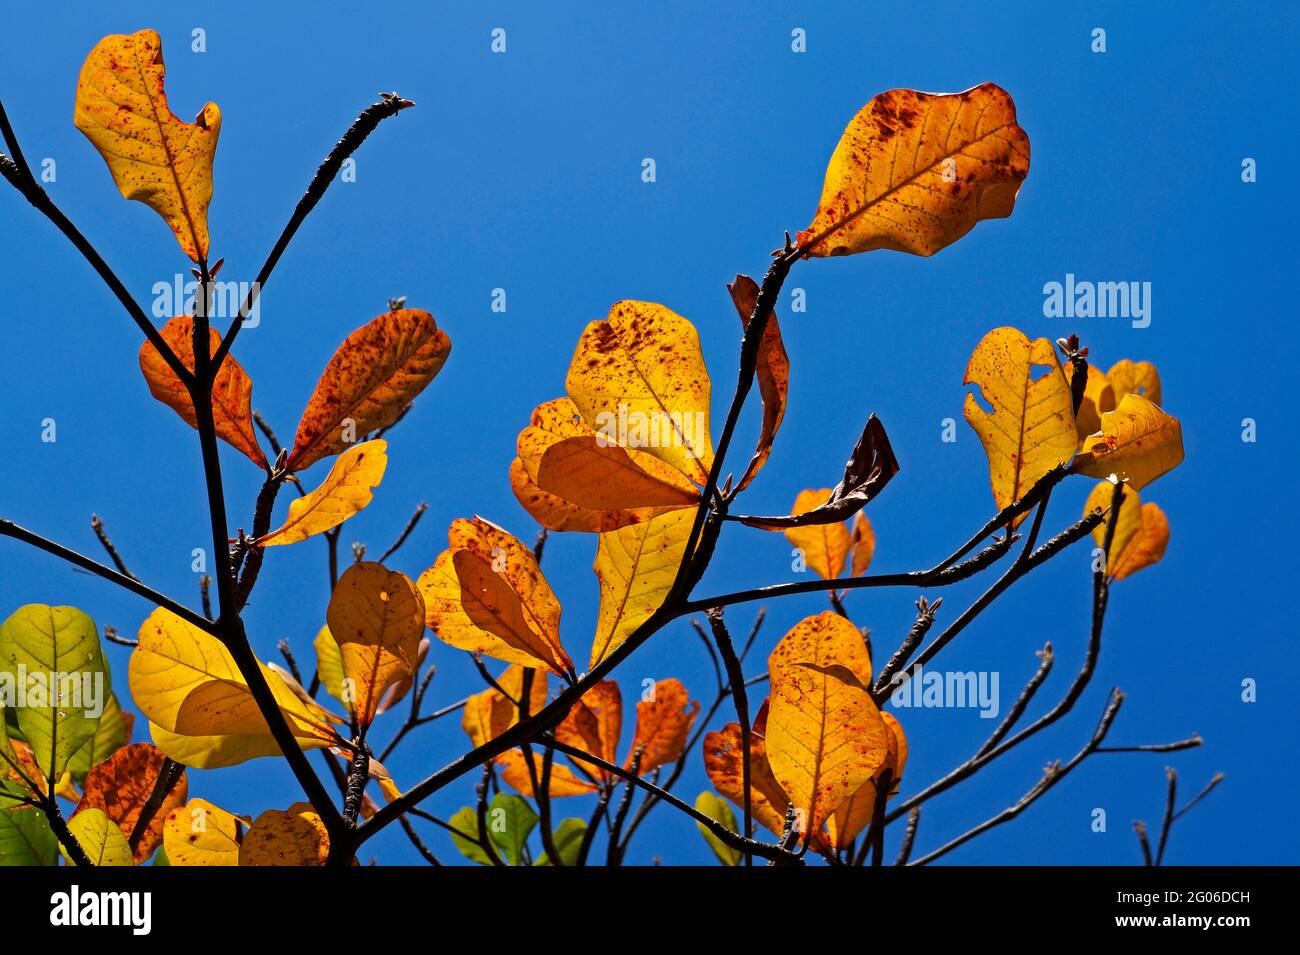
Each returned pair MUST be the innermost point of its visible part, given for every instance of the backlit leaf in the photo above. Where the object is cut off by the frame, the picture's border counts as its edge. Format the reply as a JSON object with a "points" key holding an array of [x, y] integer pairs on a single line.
{"points": [[863, 548], [1148, 544], [564, 781], [122, 785], [376, 616], [489, 714], [1137, 441], [772, 373], [723, 763], [1141, 533], [154, 156], [510, 821], [854, 814], [486, 594], [594, 725], [1134, 378], [1098, 397], [202, 834], [346, 490], [25, 834], [1031, 428], [635, 567], [915, 172], [464, 832], [639, 378], [825, 546], [662, 725], [717, 810], [567, 840], [293, 837], [101, 840], [329, 668], [113, 732], [378, 370], [232, 390]]}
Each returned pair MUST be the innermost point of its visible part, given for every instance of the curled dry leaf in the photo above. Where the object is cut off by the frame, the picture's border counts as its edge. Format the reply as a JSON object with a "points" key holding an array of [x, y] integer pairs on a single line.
{"points": [[569, 477], [202, 834], [378, 370], [772, 373], [154, 156], [293, 837], [635, 567], [232, 391], [915, 172], [1031, 428], [1137, 441], [347, 489], [638, 378], [663, 723], [486, 594], [121, 785], [376, 617]]}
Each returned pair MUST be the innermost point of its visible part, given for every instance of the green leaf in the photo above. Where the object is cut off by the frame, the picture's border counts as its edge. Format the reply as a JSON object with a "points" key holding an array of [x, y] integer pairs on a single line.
{"points": [[568, 838], [511, 820], [25, 834], [110, 736], [717, 810], [466, 821], [101, 839], [54, 649]]}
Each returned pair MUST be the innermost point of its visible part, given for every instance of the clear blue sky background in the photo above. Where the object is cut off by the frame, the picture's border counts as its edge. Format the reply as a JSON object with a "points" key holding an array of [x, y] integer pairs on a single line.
{"points": [[522, 171]]}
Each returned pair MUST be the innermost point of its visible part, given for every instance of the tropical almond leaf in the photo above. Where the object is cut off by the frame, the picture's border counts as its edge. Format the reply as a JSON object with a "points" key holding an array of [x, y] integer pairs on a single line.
{"points": [[772, 372], [855, 813], [717, 810], [870, 466], [292, 837], [232, 391], [635, 567], [567, 839], [825, 736], [100, 839], [915, 172], [122, 785], [663, 723], [112, 733], [26, 838], [594, 725], [329, 668], [154, 156], [1134, 378], [863, 548], [825, 547], [1141, 532], [62, 643], [1147, 546], [489, 714], [724, 764], [1098, 397], [347, 489], [202, 834], [378, 370], [376, 616], [510, 822], [467, 837], [516, 772], [638, 378], [1137, 441], [486, 594], [1031, 428]]}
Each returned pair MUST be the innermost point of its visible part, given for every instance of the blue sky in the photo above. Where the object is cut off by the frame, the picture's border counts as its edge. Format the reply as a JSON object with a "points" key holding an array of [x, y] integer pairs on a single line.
{"points": [[522, 171]]}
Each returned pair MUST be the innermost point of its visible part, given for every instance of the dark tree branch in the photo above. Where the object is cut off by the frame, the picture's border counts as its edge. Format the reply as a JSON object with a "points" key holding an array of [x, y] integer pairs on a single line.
{"points": [[736, 680], [169, 774], [106, 542], [401, 539]]}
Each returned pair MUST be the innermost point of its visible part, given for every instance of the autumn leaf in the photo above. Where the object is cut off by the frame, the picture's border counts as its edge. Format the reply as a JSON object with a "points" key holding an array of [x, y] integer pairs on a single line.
{"points": [[293, 837], [486, 594], [1147, 546], [122, 785], [187, 684], [825, 546], [57, 721], [202, 834], [489, 714], [1098, 397], [772, 372], [1137, 441], [594, 725], [346, 490], [870, 467], [378, 370], [854, 814], [663, 723], [1134, 378], [1031, 428], [638, 377], [863, 546], [1141, 531], [717, 810], [376, 617], [154, 156], [724, 764], [111, 733], [100, 839], [564, 781], [635, 567], [825, 736], [915, 172], [232, 390]]}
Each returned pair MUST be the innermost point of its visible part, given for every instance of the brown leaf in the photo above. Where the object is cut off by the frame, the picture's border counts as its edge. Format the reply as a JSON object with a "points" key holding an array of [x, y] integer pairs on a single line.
{"points": [[772, 373], [662, 725], [121, 786]]}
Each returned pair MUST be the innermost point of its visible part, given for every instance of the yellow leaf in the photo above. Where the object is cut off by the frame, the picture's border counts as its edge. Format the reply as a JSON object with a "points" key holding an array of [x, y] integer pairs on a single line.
{"points": [[293, 837], [486, 594], [218, 752], [378, 370], [825, 546], [638, 378], [1031, 428], [100, 838], [1147, 546], [1126, 525], [1098, 397], [1137, 441], [186, 682], [915, 171], [154, 156], [1141, 533], [201, 834], [825, 736], [594, 725], [864, 544], [855, 813], [329, 668], [232, 391], [772, 372], [1134, 378], [662, 725], [345, 491], [376, 616], [635, 567], [489, 714]]}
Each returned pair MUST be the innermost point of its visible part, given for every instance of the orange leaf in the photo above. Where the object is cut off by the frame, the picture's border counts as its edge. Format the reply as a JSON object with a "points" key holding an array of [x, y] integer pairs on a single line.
{"points": [[772, 372], [723, 763], [1147, 546], [863, 547], [662, 725], [490, 713], [564, 782], [824, 546], [855, 813], [1137, 441], [915, 171], [378, 370], [122, 784], [294, 837], [232, 391], [594, 725]]}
